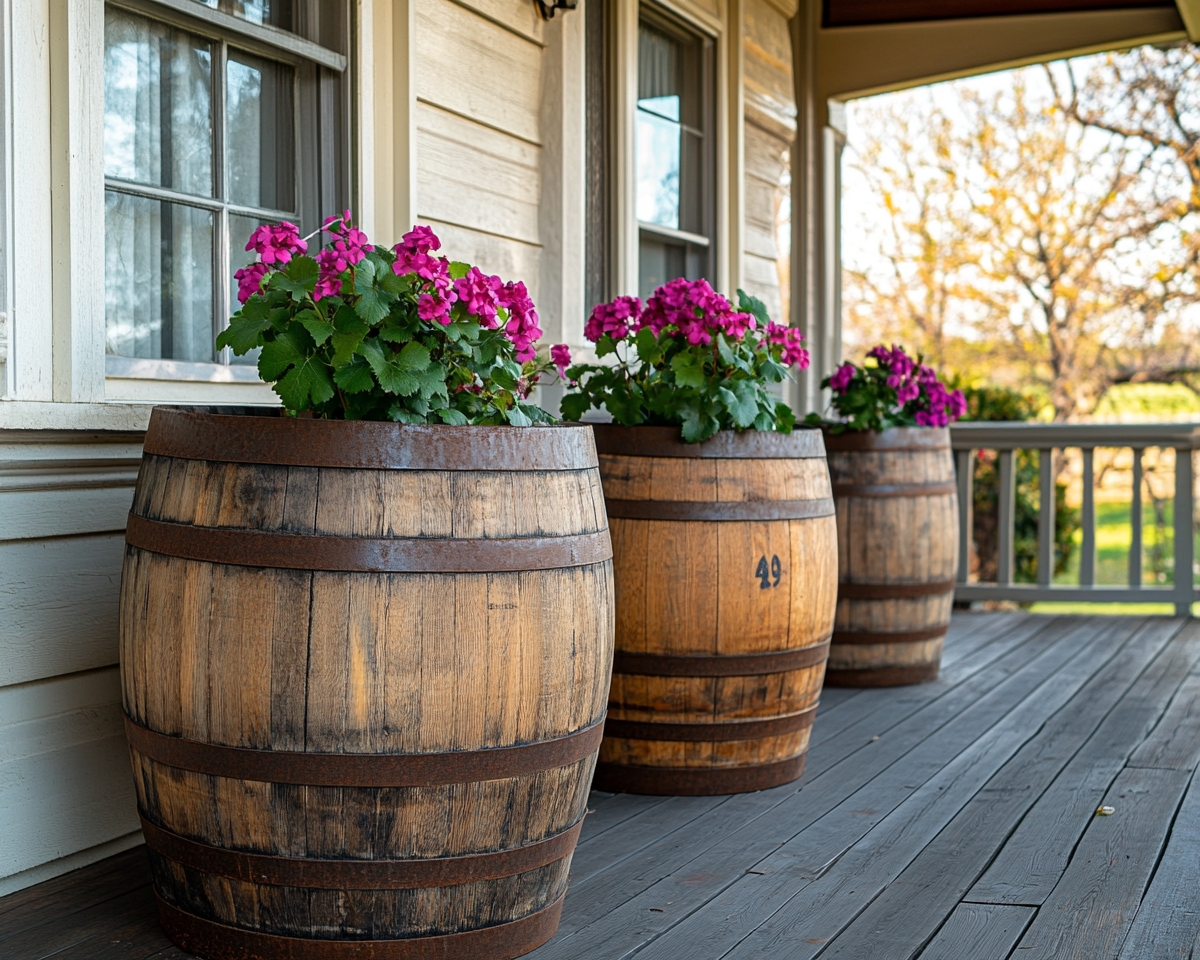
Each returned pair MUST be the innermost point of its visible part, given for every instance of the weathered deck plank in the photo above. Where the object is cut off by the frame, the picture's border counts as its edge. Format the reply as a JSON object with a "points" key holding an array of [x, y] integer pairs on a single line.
{"points": [[1168, 921], [794, 845], [1034, 858], [916, 802], [980, 931], [907, 914]]}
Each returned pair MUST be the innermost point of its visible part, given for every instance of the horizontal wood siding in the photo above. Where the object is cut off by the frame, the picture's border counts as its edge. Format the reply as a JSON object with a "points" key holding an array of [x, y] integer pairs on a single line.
{"points": [[65, 787], [479, 135], [770, 127], [65, 783]]}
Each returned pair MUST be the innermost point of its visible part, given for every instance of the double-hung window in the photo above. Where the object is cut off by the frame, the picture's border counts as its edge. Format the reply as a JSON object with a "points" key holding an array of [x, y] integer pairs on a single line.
{"points": [[219, 115], [676, 160]]}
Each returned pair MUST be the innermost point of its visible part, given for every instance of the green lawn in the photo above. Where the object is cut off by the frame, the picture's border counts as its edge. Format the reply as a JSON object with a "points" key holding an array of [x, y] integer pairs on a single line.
{"points": [[1113, 538]]}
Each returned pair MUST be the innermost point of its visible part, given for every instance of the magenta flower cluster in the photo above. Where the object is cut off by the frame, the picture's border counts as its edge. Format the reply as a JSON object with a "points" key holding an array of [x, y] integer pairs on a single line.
{"points": [[690, 309], [913, 382], [477, 294], [275, 245]]}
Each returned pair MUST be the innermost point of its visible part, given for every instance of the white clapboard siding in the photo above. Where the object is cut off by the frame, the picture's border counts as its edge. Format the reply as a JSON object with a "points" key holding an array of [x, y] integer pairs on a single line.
{"points": [[65, 781], [469, 65], [475, 177], [84, 502], [519, 16], [58, 605]]}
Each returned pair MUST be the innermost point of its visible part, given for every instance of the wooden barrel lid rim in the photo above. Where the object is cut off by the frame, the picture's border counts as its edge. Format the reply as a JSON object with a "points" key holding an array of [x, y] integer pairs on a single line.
{"points": [[804, 443], [892, 439], [365, 444]]}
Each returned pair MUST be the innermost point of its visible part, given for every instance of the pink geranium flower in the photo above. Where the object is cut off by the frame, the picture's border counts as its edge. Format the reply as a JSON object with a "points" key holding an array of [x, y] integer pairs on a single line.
{"points": [[249, 280], [277, 243]]}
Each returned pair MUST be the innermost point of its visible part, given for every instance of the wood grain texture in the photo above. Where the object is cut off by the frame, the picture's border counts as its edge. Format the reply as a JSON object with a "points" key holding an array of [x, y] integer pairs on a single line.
{"points": [[1168, 920], [716, 588], [1034, 858], [364, 663], [891, 540], [981, 931], [1092, 908], [910, 910]]}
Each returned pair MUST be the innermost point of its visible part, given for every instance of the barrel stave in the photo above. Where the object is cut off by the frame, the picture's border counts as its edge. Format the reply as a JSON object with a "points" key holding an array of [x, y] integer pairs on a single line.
{"points": [[897, 516], [328, 662], [682, 590]]}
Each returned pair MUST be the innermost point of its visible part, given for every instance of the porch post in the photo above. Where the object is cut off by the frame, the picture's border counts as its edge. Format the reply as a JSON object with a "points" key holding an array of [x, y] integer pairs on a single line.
{"points": [[816, 221]]}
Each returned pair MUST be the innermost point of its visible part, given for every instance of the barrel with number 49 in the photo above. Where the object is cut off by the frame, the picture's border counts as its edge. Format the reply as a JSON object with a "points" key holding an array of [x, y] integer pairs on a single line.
{"points": [[725, 566]]}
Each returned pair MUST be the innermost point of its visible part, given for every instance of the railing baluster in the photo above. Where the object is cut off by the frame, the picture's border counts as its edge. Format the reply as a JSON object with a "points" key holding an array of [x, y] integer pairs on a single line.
{"points": [[1046, 506], [966, 511], [1007, 492], [1184, 542], [1135, 523], [1087, 559]]}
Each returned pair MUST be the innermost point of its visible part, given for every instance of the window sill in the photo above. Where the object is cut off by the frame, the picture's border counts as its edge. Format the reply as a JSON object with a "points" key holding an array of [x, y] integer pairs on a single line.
{"points": [[134, 368]]}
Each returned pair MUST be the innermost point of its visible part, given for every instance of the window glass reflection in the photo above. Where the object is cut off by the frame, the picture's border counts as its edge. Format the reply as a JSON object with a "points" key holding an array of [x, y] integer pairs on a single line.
{"points": [[157, 105], [274, 13], [158, 283], [658, 128], [259, 132]]}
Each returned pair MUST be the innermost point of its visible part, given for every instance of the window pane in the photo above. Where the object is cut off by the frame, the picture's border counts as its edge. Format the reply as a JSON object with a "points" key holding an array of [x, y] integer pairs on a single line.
{"points": [[658, 128], [260, 133], [158, 291], [157, 105], [659, 262], [276, 13], [240, 229]]}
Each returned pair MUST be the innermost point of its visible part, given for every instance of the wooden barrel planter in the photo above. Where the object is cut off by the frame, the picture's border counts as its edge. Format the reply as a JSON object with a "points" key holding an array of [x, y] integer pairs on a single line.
{"points": [[897, 519], [725, 569], [364, 669]]}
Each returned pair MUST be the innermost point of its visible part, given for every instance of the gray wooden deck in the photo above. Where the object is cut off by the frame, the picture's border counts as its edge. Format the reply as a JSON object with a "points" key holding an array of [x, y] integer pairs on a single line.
{"points": [[950, 821]]}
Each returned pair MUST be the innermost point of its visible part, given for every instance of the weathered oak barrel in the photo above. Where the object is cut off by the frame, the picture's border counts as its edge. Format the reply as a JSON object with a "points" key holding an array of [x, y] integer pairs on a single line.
{"points": [[725, 568], [897, 520], [364, 669]]}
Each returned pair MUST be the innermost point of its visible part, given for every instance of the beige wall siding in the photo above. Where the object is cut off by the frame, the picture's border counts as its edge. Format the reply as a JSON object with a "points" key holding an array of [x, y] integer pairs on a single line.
{"points": [[65, 785], [770, 127], [479, 139]]}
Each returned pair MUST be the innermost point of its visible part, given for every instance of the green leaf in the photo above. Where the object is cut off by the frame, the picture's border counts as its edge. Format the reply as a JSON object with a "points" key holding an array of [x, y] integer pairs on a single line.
{"points": [[373, 305], [298, 278], [301, 379], [458, 270], [753, 306], [454, 417], [364, 276], [741, 401], [605, 346], [391, 377], [688, 366], [414, 357], [318, 327], [432, 382], [725, 352], [646, 343], [574, 405], [245, 331], [401, 414], [517, 417], [355, 377]]}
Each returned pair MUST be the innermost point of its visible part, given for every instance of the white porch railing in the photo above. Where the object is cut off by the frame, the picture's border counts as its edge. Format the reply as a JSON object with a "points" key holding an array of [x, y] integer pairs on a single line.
{"points": [[1047, 438]]}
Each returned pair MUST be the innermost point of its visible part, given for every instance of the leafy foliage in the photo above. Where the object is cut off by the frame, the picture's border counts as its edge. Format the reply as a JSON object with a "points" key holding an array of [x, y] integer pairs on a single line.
{"points": [[689, 360], [360, 333]]}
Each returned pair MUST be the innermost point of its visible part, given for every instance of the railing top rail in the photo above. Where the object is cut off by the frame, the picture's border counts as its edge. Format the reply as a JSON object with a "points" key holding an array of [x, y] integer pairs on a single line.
{"points": [[1018, 435]]}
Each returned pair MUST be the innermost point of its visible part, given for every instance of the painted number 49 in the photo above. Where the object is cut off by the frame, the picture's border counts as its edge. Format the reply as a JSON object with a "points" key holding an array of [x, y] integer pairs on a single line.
{"points": [[768, 576]]}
